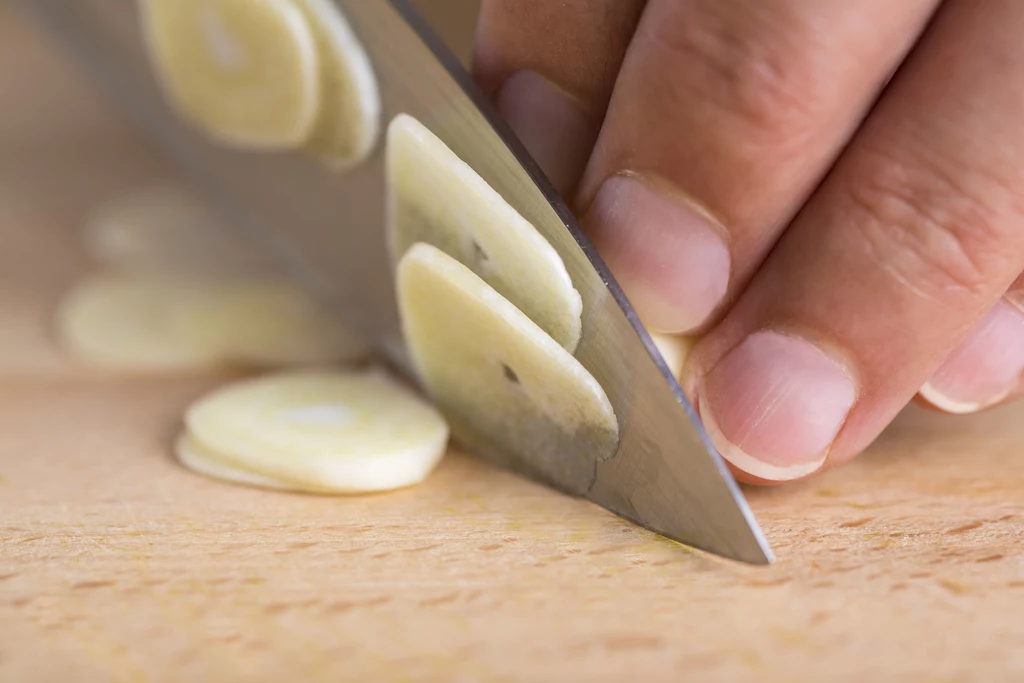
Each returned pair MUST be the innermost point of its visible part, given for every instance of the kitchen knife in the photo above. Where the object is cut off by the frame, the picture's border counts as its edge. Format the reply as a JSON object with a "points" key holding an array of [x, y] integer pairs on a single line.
{"points": [[326, 227]]}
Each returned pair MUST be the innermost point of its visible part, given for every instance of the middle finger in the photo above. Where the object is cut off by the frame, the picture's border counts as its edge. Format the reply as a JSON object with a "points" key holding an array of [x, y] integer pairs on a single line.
{"points": [[724, 116]]}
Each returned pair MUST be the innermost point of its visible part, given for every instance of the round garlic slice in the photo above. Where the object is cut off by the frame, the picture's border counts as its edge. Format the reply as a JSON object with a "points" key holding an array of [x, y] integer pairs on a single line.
{"points": [[508, 389], [133, 323], [434, 197], [344, 432], [272, 321], [348, 122], [244, 71], [166, 229]]}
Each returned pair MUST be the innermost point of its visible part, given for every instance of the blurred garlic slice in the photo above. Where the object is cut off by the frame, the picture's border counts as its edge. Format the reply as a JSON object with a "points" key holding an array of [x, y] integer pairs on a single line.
{"points": [[434, 197], [149, 323], [348, 122], [134, 323], [340, 432], [272, 322], [498, 377], [166, 229], [244, 71]]}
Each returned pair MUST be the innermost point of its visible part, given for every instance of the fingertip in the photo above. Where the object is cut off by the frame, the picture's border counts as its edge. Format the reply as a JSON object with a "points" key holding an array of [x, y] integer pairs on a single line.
{"points": [[935, 398], [669, 256], [750, 469], [773, 406], [985, 369]]}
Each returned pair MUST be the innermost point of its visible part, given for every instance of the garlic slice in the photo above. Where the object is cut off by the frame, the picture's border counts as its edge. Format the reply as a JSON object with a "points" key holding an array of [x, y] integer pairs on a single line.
{"points": [[673, 348], [507, 388], [160, 323], [133, 323], [342, 432], [434, 197], [244, 71], [348, 123], [202, 460]]}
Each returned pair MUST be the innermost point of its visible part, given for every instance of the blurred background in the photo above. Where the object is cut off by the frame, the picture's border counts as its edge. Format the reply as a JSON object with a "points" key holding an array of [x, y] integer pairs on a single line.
{"points": [[65, 150]]}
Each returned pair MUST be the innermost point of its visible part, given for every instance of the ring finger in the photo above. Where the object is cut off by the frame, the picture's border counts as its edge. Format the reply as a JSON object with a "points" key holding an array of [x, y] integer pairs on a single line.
{"points": [[987, 368]]}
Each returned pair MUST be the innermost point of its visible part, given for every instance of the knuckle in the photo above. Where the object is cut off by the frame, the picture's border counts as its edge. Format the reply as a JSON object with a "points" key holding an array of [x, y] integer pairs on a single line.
{"points": [[936, 226], [769, 93], [761, 79]]}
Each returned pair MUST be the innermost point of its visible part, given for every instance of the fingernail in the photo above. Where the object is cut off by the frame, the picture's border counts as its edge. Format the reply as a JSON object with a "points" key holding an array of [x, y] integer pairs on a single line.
{"points": [[555, 128], [669, 258], [774, 404], [985, 368]]}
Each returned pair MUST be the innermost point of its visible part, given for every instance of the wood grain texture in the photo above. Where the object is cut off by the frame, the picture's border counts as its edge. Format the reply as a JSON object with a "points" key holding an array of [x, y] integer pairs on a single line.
{"points": [[117, 564]]}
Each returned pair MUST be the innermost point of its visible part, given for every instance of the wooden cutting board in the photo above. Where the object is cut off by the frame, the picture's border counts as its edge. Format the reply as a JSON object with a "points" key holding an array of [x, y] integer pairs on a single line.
{"points": [[117, 564]]}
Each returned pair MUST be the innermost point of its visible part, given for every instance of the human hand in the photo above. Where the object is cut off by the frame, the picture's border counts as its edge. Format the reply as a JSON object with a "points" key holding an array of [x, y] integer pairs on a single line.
{"points": [[750, 174]]}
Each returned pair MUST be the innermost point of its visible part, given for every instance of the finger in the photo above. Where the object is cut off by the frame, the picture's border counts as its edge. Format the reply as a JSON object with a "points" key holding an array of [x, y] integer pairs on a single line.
{"points": [[550, 67], [724, 118], [915, 235], [987, 367]]}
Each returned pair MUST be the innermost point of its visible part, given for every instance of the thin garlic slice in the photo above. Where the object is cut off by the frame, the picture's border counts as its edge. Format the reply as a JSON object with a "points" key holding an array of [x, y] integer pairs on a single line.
{"points": [[508, 389], [273, 322], [166, 229], [244, 71], [673, 348], [343, 432], [198, 458], [348, 122], [434, 197], [133, 323]]}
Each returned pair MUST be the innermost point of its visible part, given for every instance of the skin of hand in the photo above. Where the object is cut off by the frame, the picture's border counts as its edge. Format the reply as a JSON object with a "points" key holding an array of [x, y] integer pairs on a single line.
{"points": [[829, 194]]}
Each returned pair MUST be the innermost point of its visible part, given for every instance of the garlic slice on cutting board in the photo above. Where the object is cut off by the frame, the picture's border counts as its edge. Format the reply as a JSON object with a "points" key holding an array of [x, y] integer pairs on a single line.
{"points": [[202, 460], [328, 431]]}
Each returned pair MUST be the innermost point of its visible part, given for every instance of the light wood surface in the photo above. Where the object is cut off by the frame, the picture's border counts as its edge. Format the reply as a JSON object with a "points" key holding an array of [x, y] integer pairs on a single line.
{"points": [[117, 564]]}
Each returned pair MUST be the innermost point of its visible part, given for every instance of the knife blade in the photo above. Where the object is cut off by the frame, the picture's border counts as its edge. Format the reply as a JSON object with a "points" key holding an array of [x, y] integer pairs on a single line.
{"points": [[327, 229]]}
